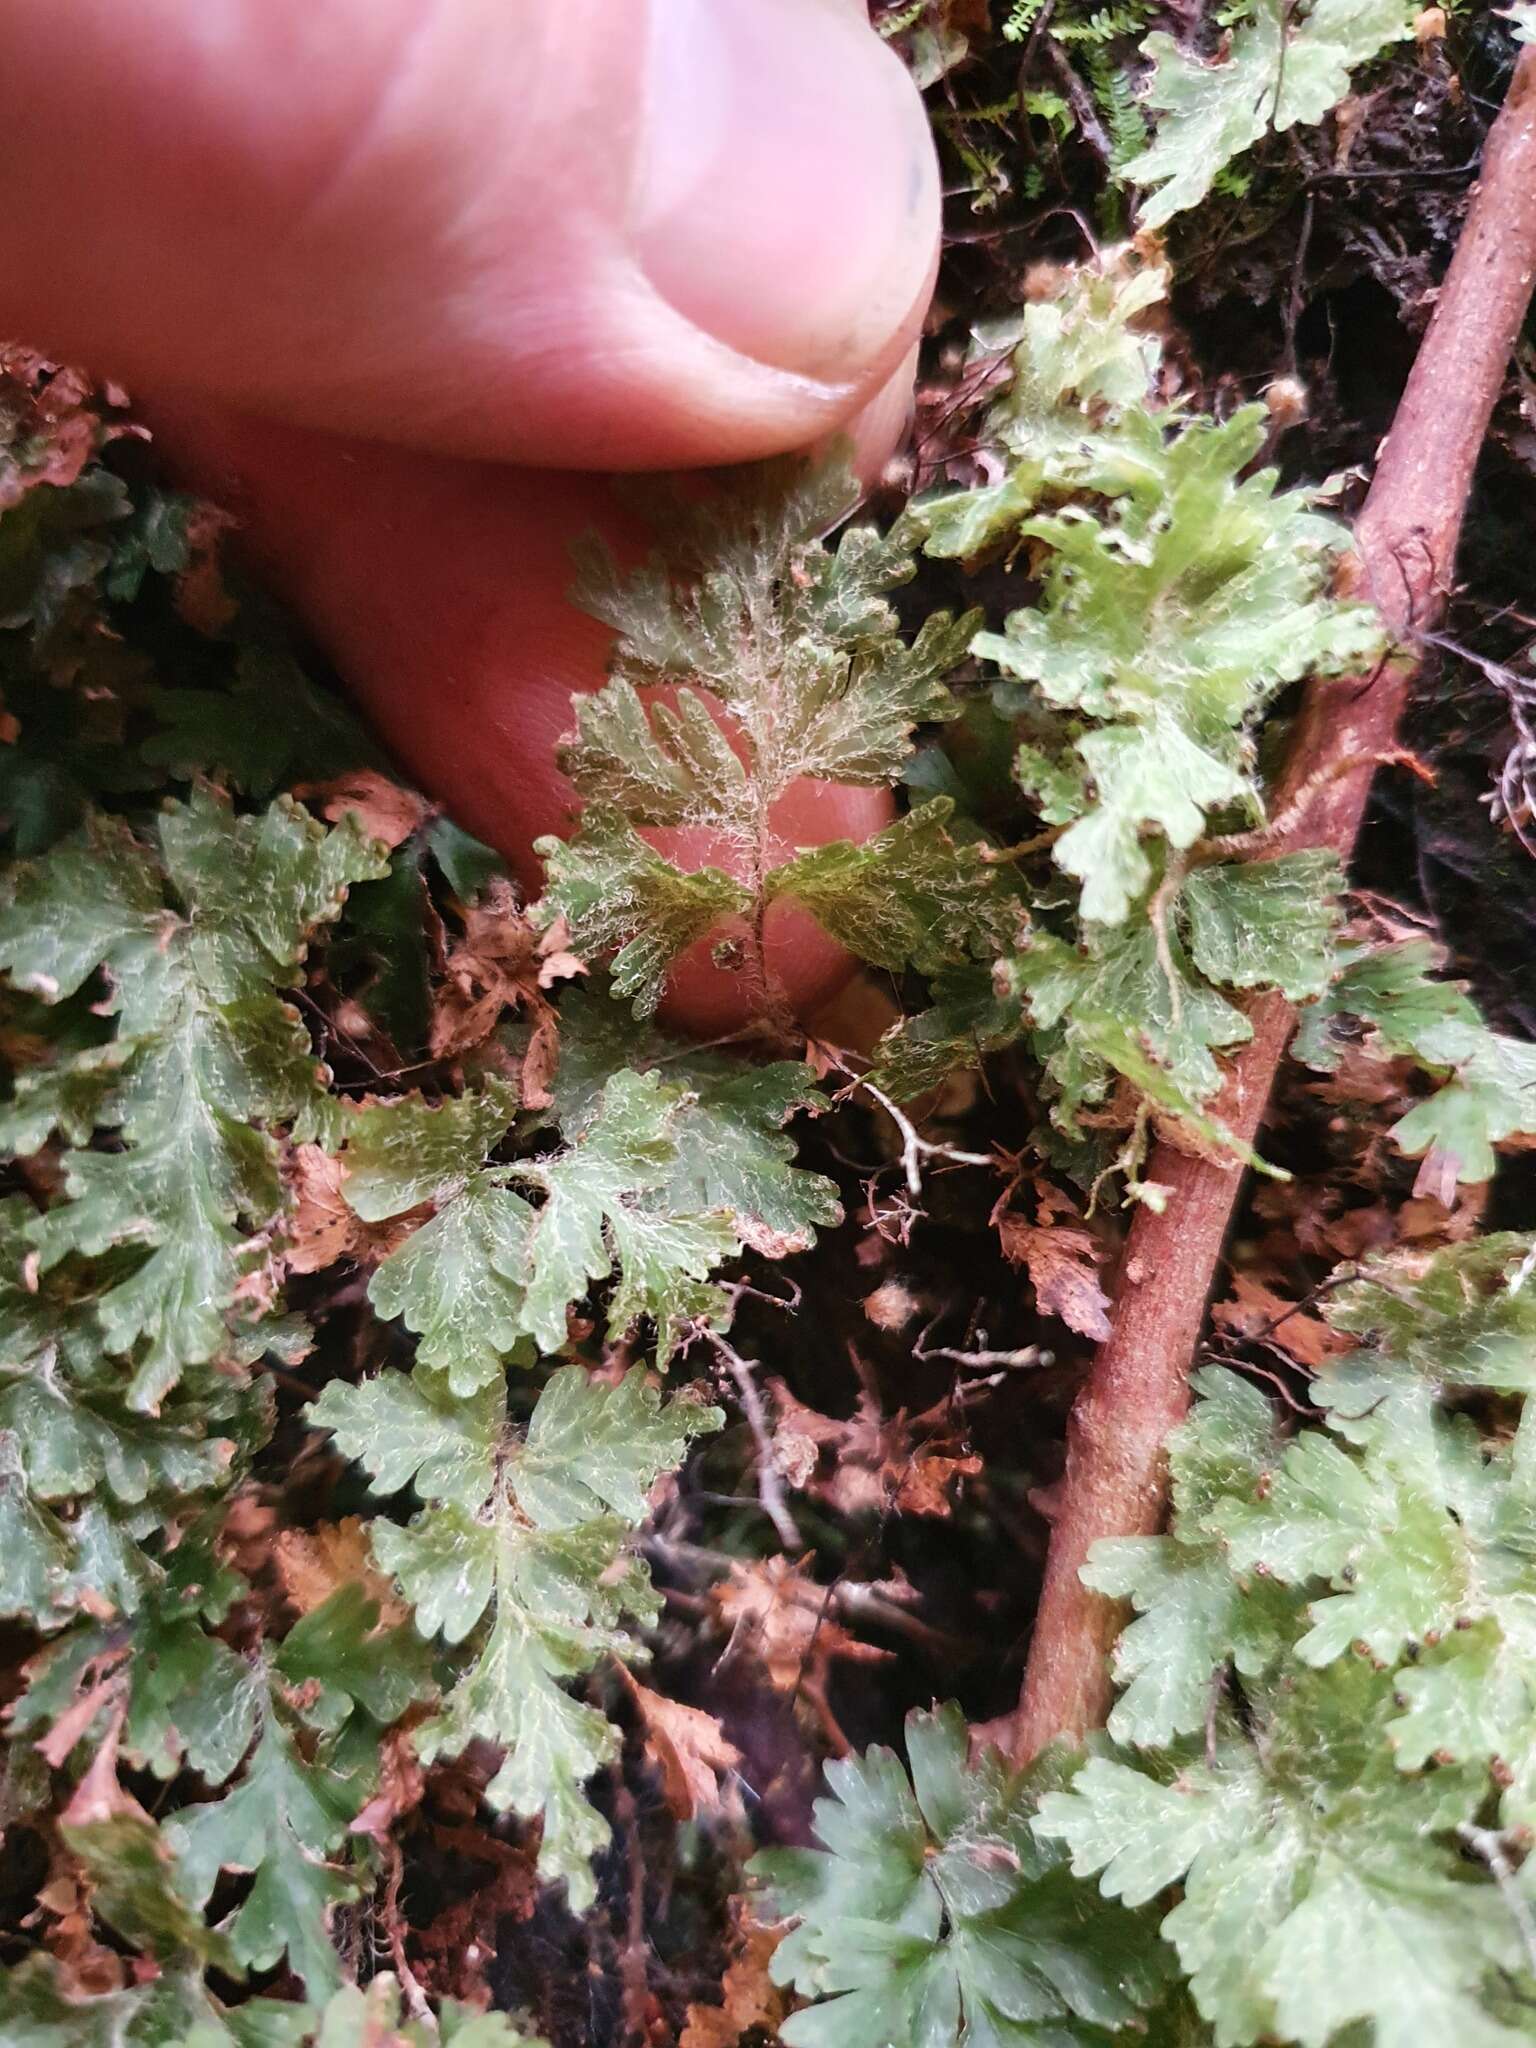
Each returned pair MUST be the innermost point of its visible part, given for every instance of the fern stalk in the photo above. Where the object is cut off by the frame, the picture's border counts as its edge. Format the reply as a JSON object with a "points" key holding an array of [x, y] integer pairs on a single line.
{"points": [[1406, 538]]}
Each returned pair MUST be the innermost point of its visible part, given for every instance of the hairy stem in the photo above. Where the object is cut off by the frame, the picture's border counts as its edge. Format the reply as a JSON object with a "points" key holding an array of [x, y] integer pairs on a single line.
{"points": [[1138, 1388]]}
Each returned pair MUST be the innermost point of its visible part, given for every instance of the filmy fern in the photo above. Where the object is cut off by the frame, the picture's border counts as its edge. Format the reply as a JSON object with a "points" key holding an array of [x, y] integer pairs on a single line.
{"points": [[1370, 1585], [1179, 593], [163, 1067], [935, 1913], [751, 656], [195, 938], [1326, 1736], [1323, 1735], [1285, 65], [519, 1552]]}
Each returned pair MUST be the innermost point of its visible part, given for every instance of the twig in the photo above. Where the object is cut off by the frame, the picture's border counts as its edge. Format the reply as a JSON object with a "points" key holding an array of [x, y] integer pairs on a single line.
{"points": [[634, 1961], [1512, 800], [1489, 1847], [1289, 825], [1163, 898], [915, 1148], [1138, 1388], [1522, 1272], [859, 1602], [853, 1599], [1023, 847], [411, 1991], [1295, 303], [1080, 100], [769, 1490], [983, 1360]]}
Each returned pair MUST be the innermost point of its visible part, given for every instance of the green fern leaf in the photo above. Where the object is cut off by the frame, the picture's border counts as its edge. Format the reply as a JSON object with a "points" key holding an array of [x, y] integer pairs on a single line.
{"points": [[195, 939], [545, 1556], [1172, 620], [934, 1915], [730, 1152], [340, 1660], [284, 1822], [1488, 1090], [410, 1429], [1265, 923], [39, 2008], [780, 658], [1195, 1613], [910, 895], [1284, 67], [1298, 1838], [491, 1270]]}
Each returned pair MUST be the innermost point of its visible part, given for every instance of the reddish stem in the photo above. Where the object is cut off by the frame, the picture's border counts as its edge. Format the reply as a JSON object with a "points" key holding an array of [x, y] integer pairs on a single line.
{"points": [[1138, 1388]]}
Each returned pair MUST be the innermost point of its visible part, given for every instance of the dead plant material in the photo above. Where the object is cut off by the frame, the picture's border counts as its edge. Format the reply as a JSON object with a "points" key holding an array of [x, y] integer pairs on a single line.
{"points": [[871, 1463], [751, 2001]]}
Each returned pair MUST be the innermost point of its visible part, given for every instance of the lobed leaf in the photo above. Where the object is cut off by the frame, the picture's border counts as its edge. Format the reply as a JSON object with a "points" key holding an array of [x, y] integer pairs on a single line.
{"points": [[1283, 67]]}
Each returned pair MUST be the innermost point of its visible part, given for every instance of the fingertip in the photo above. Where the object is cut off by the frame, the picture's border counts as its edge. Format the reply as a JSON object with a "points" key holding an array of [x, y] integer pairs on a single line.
{"points": [[785, 195], [611, 234]]}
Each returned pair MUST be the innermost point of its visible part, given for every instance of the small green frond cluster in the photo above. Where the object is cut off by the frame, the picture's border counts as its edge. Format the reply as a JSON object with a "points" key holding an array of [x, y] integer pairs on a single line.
{"points": [[660, 1184], [1487, 1079], [193, 936], [1330, 1687], [1326, 1740], [1311, 1821], [174, 2011], [1078, 21], [165, 1090], [1132, 1003], [936, 1914], [519, 1560], [305, 1722], [1179, 594], [1284, 66], [751, 655], [1124, 117]]}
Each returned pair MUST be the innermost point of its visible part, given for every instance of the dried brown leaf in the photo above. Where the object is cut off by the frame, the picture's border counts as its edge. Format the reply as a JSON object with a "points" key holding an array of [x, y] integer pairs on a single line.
{"points": [[689, 1750], [751, 2000], [771, 1607], [501, 963], [1062, 1260], [402, 1782], [315, 1563], [1255, 1310], [384, 809], [55, 1747], [99, 1796], [869, 1463], [321, 1228]]}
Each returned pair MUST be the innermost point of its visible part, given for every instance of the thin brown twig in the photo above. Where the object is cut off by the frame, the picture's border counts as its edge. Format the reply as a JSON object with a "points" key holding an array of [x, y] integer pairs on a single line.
{"points": [[770, 1489], [416, 2002], [1138, 1387]]}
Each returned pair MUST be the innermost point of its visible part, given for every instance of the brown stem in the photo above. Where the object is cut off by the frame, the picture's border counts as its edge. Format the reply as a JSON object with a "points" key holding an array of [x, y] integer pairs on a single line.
{"points": [[1138, 1388]]}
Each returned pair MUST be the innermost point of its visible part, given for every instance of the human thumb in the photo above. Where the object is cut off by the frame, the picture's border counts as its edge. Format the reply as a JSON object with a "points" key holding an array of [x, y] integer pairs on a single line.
{"points": [[606, 233]]}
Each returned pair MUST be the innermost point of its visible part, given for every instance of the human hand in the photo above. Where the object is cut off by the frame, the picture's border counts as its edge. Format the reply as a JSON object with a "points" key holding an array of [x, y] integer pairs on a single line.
{"points": [[399, 279]]}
